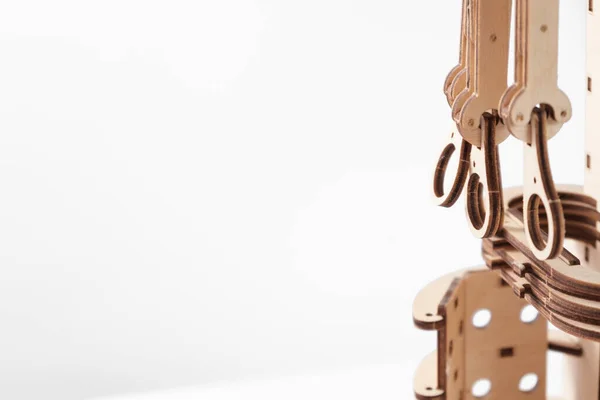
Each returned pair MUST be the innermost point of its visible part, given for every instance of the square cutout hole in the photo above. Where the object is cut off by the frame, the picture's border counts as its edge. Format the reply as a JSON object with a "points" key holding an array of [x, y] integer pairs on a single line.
{"points": [[588, 161], [506, 352]]}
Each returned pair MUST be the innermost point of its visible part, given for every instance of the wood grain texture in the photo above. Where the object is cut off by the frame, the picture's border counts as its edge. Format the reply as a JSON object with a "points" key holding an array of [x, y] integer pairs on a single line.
{"points": [[484, 205], [425, 380], [456, 147], [487, 69], [503, 351], [536, 70], [456, 81], [582, 377], [539, 192]]}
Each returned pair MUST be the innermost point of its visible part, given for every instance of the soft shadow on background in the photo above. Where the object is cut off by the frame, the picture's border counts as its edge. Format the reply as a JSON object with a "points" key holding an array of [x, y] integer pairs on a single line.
{"points": [[200, 191]]}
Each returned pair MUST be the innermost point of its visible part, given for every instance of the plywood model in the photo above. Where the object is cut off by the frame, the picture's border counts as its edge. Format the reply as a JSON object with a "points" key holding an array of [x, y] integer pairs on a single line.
{"points": [[539, 241]]}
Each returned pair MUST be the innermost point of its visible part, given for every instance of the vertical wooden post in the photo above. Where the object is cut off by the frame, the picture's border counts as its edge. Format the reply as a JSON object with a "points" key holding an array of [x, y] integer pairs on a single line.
{"points": [[584, 372]]}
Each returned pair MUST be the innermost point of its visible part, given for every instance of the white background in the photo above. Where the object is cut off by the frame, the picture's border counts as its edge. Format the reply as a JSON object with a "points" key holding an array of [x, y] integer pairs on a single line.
{"points": [[199, 191]]}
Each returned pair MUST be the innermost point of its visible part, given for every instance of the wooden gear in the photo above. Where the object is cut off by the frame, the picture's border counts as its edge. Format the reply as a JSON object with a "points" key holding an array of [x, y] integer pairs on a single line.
{"points": [[539, 241]]}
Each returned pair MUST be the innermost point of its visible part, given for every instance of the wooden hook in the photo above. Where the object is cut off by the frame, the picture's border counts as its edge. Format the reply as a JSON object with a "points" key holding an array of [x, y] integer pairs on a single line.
{"points": [[539, 190], [484, 204], [456, 143]]}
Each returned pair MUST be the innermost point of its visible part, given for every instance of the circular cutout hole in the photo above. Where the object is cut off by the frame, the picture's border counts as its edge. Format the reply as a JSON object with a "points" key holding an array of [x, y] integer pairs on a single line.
{"points": [[482, 318], [529, 314], [528, 382], [429, 314], [450, 347], [481, 388]]}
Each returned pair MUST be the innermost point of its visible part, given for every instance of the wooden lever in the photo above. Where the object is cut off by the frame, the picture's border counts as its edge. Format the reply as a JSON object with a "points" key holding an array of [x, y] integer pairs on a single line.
{"points": [[484, 205], [536, 70], [456, 81], [456, 147], [539, 190], [487, 69]]}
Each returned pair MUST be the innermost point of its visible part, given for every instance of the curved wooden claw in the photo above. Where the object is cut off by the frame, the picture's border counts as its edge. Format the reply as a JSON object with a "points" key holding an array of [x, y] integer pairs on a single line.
{"points": [[448, 198], [485, 209], [539, 190]]}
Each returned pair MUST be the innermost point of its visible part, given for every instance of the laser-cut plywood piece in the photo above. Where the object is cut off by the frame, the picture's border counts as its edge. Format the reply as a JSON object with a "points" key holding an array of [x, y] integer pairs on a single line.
{"points": [[503, 352], [484, 187], [456, 81], [541, 250], [487, 68], [582, 377], [536, 70]]}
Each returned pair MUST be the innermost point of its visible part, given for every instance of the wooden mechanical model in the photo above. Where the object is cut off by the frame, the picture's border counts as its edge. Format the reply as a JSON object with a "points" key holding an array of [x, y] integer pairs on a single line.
{"points": [[539, 241]]}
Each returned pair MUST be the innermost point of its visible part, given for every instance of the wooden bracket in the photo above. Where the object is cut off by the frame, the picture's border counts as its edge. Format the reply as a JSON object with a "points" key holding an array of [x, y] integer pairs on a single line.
{"points": [[485, 338], [491, 343]]}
